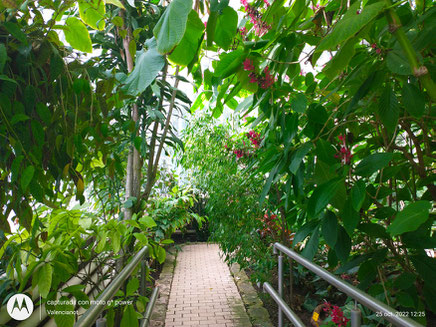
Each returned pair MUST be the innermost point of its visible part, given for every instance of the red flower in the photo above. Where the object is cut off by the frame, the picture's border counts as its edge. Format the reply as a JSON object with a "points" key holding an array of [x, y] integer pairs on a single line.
{"points": [[248, 65], [253, 77], [344, 152]]}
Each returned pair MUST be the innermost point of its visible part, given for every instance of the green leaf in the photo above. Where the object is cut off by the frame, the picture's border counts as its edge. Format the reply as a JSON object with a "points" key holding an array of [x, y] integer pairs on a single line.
{"points": [[147, 221], [129, 317], [16, 31], [350, 217], [413, 100], [425, 266], [38, 132], [298, 156], [311, 247], [26, 177], [226, 27], [210, 27], [160, 254], [329, 228], [92, 13], [141, 238], [132, 286], [373, 230], [77, 35], [229, 63], [43, 112], [185, 52], [64, 320], [343, 245], [19, 118], [3, 56], [45, 274], [326, 152], [299, 103], [321, 196], [102, 243], [397, 63], [171, 26], [148, 65], [358, 193], [410, 218], [305, 230], [388, 109], [372, 163], [117, 3], [73, 288], [350, 24], [116, 241], [340, 61], [268, 183]]}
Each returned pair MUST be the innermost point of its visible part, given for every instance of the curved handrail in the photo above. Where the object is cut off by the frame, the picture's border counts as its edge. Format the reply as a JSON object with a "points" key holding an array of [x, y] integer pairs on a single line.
{"points": [[367, 300]]}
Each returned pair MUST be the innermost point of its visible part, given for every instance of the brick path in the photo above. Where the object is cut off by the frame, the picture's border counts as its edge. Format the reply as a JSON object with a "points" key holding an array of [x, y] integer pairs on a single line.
{"points": [[203, 292]]}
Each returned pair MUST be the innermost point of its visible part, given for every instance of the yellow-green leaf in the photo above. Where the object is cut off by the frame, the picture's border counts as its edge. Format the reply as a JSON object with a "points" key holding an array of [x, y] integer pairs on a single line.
{"points": [[77, 35]]}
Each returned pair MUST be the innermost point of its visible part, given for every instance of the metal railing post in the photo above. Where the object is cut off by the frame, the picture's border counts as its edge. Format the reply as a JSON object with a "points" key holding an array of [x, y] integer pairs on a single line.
{"points": [[356, 316], [280, 285]]}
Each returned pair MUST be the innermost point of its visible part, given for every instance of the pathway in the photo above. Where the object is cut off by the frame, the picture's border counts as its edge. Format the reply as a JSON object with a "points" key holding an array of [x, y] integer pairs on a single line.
{"points": [[203, 292]]}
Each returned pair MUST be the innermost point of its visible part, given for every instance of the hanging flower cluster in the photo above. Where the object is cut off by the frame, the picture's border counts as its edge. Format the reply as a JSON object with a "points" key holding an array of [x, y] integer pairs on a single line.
{"points": [[260, 26], [247, 150], [344, 152], [337, 315], [265, 80]]}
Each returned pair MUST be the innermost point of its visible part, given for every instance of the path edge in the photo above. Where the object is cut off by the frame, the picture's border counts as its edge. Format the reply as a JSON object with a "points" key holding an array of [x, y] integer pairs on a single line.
{"points": [[257, 313], [164, 282]]}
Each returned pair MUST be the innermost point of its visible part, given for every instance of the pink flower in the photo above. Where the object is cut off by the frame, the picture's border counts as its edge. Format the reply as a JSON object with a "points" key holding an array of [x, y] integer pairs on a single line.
{"points": [[266, 2], [248, 65], [268, 79]]}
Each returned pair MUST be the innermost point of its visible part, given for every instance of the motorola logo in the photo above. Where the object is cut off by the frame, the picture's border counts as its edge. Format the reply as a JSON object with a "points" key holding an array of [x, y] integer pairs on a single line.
{"points": [[20, 307]]}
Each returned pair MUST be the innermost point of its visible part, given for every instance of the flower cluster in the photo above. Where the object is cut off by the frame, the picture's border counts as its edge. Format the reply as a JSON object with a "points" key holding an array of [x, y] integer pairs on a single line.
{"points": [[255, 138], [344, 152], [243, 32], [260, 26], [337, 315], [264, 80], [246, 150], [377, 49], [272, 227]]}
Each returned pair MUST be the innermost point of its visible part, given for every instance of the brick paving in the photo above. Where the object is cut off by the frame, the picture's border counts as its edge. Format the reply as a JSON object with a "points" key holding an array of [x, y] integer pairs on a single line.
{"points": [[203, 292]]}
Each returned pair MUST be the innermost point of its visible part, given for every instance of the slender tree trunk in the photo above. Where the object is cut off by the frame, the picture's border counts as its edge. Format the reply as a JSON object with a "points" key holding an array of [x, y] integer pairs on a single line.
{"points": [[133, 173]]}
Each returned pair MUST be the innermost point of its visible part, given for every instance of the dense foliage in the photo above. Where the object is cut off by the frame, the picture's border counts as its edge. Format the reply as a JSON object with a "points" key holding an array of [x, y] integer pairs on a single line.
{"points": [[348, 145], [337, 146]]}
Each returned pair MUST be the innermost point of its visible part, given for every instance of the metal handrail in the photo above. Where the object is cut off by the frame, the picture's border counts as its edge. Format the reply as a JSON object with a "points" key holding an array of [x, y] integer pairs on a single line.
{"points": [[91, 315], [367, 300], [150, 306], [292, 316]]}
